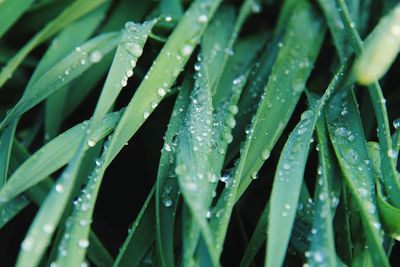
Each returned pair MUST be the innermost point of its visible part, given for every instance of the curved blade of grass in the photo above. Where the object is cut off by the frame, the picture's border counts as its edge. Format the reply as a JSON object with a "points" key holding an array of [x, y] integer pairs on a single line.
{"points": [[97, 253], [348, 141], [286, 84], [10, 209], [72, 248], [288, 89], [70, 14], [167, 187], [11, 11], [390, 177], [322, 250], [129, 50], [72, 36], [380, 49], [6, 139], [62, 73], [193, 166], [172, 8], [140, 237], [288, 178], [123, 11], [53, 156], [390, 215]]}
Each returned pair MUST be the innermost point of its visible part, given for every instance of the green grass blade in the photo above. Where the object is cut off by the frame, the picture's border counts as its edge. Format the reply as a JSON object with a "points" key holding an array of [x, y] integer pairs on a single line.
{"points": [[140, 236], [193, 166], [63, 72], [129, 50], [70, 14], [285, 82], [390, 215], [348, 141], [380, 49], [295, 78], [171, 8], [37, 194], [11, 11], [390, 177], [288, 178], [53, 156], [326, 199], [6, 140], [10, 209], [167, 187], [72, 36], [72, 248]]}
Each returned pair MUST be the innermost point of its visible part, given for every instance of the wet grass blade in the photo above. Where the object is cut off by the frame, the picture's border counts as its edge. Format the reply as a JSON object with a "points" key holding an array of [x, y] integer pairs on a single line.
{"points": [[6, 140], [167, 187], [53, 156], [193, 166], [286, 83], [70, 14], [380, 49], [63, 72], [390, 176], [348, 141], [294, 79], [140, 237], [289, 176], [11, 11], [129, 50], [65, 42], [327, 193]]}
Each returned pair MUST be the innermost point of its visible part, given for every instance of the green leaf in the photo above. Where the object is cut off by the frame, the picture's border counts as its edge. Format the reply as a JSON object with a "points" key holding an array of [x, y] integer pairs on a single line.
{"points": [[11, 11], [70, 14], [63, 72], [380, 49], [348, 141], [289, 176]]}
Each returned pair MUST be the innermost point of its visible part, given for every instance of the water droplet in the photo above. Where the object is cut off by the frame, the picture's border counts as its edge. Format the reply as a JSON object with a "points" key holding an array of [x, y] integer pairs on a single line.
{"points": [[392, 153], [124, 82], [133, 48], [154, 104], [161, 92], [133, 63], [255, 7], [83, 243], [166, 200], [59, 188], [130, 26], [129, 73], [48, 228], [265, 154], [27, 244], [95, 56], [396, 123], [286, 166], [231, 122], [146, 114], [318, 257], [168, 18], [91, 142], [186, 50], [287, 206], [233, 109], [209, 215], [202, 18]]}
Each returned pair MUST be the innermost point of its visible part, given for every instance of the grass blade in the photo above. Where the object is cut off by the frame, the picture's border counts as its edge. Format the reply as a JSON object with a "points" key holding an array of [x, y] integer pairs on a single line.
{"points": [[11, 11], [63, 72], [167, 187], [380, 49], [288, 179], [353, 160], [6, 140], [70, 14], [53, 156]]}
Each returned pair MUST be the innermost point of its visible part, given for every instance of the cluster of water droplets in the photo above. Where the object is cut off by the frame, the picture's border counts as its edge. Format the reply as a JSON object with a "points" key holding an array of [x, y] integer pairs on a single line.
{"points": [[83, 207]]}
